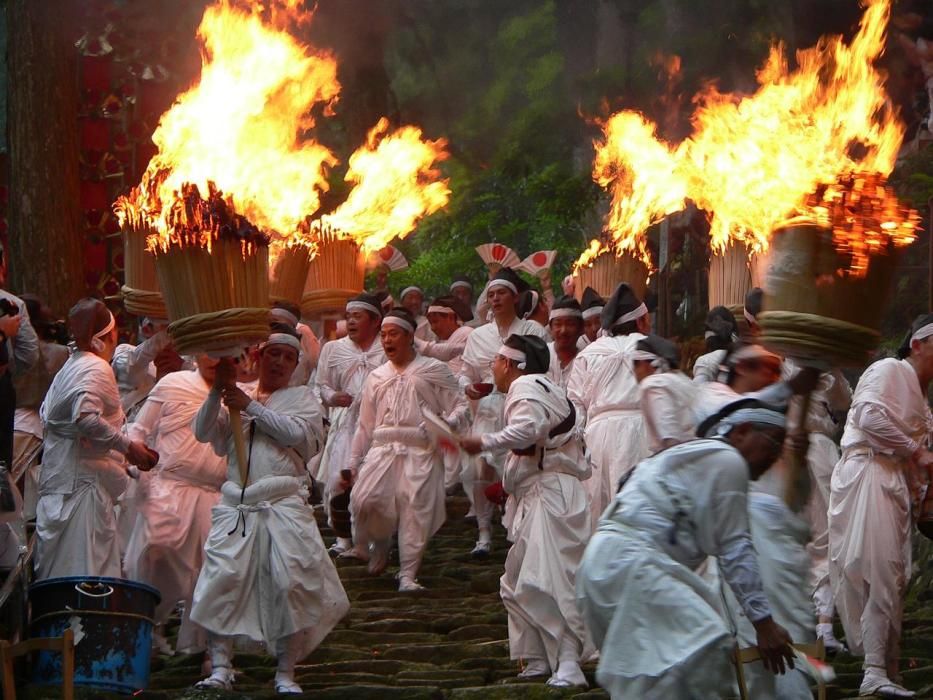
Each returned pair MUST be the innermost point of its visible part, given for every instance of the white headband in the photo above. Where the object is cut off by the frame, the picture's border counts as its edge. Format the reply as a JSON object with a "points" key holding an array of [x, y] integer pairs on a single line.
{"points": [[751, 352], [400, 322], [922, 333], [501, 283], [363, 306], [282, 339], [564, 313], [660, 364], [412, 288], [461, 283], [106, 330], [516, 356], [748, 317], [534, 304], [763, 416], [440, 310], [592, 311], [631, 315], [285, 315]]}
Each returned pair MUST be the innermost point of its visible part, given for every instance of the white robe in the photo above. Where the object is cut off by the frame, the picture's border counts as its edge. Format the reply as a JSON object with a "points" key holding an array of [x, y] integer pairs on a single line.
{"points": [[482, 346], [449, 351], [604, 390], [660, 628], [82, 472], [400, 480], [342, 367], [266, 573], [666, 401], [870, 507], [556, 372], [549, 523], [707, 367], [166, 548]]}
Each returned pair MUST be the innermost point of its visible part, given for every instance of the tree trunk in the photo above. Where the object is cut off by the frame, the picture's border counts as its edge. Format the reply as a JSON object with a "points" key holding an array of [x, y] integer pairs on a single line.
{"points": [[44, 209]]}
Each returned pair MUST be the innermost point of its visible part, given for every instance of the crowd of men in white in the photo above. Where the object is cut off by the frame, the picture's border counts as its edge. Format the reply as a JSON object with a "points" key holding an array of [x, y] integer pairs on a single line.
{"points": [[640, 530]]}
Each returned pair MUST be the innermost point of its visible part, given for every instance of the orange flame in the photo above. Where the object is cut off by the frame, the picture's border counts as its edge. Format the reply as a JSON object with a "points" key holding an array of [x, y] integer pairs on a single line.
{"points": [[242, 127], [754, 161], [396, 185]]}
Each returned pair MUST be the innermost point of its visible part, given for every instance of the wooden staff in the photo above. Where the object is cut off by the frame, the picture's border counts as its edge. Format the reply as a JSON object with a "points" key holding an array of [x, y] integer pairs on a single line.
{"points": [[797, 488], [236, 423]]}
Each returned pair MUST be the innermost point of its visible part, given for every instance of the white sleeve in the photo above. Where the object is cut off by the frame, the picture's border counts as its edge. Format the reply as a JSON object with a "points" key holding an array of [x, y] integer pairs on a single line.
{"points": [[873, 420], [365, 425], [527, 424], [212, 423], [144, 426], [444, 350]]}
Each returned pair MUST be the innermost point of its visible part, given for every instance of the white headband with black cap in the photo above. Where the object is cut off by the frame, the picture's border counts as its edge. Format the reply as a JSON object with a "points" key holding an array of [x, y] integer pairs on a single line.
{"points": [[517, 356], [592, 311], [412, 288], [922, 333], [434, 309], [633, 315], [460, 283]]}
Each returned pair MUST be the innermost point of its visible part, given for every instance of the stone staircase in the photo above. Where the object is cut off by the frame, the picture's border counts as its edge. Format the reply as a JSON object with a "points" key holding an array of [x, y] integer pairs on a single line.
{"points": [[450, 642]]}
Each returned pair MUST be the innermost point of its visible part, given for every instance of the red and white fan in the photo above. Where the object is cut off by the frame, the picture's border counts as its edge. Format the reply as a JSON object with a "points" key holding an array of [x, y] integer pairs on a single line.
{"points": [[390, 256], [497, 256], [537, 263]]}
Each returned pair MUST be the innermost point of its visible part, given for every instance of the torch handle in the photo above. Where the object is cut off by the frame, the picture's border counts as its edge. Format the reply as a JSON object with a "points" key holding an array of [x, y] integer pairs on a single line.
{"points": [[236, 424], [797, 488]]}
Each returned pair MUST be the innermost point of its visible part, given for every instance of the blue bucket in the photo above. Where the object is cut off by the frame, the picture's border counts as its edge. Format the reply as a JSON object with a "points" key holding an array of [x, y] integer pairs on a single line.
{"points": [[114, 616]]}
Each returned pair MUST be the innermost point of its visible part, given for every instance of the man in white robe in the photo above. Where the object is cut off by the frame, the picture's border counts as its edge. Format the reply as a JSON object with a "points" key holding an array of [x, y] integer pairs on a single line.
{"points": [[266, 573], [592, 306], [477, 382], [461, 289], [721, 333], [289, 314], [604, 392], [832, 396], [666, 395], [85, 451], [166, 547], [412, 300], [448, 317], [779, 534], [398, 471], [565, 325], [884, 448], [547, 513], [660, 628], [342, 369]]}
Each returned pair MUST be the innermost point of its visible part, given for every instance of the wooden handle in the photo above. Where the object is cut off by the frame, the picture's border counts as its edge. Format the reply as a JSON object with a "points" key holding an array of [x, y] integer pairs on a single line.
{"points": [[236, 423], [797, 488]]}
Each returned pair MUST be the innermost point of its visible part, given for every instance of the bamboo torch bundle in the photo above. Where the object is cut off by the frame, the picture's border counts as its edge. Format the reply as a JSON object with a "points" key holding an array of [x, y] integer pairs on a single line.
{"points": [[289, 271], [604, 273], [141, 291], [729, 275], [828, 279], [336, 271], [213, 270]]}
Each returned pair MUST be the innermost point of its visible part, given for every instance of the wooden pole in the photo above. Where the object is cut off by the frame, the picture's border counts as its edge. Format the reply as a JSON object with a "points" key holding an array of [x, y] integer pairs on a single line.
{"points": [[236, 424], [797, 488]]}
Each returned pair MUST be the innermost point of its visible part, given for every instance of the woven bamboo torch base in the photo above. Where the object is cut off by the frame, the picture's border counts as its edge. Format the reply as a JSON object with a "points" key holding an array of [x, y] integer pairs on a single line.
{"points": [[815, 308], [335, 275], [217, 300], [606, 272], [141, 290]]}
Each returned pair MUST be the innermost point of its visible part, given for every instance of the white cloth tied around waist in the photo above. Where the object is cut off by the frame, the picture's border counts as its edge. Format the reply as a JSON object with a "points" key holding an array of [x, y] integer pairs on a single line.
{"points": [[263, 493], [614, 412], [413, 437]]}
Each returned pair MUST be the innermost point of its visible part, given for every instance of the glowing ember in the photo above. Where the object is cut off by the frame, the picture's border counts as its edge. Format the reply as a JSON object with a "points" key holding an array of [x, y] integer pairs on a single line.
{"points": [[396, 185], [791, 148]]}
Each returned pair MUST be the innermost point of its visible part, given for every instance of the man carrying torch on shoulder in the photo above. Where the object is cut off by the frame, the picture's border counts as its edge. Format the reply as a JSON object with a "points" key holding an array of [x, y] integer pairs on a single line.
{"points": [[266, 572]]}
